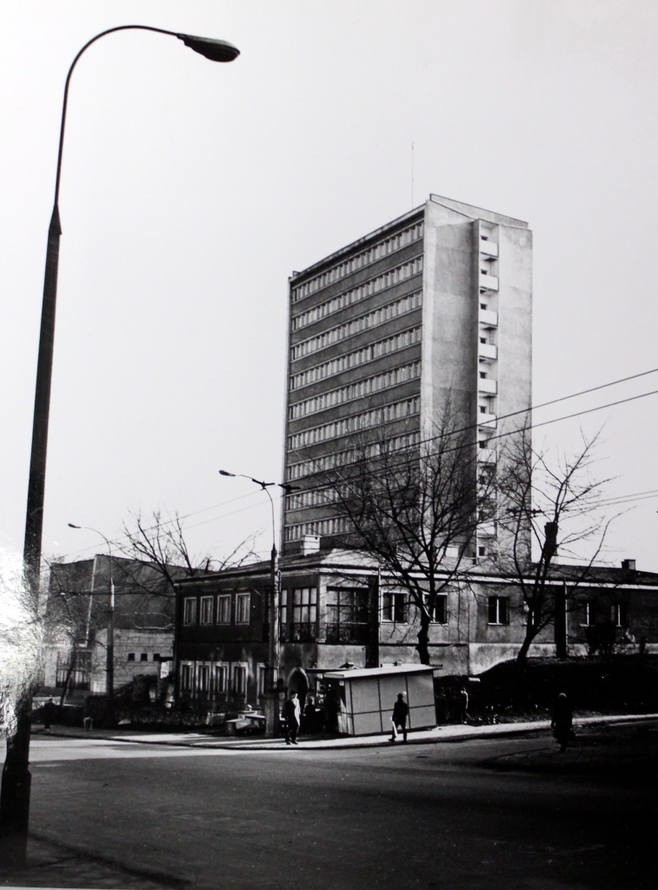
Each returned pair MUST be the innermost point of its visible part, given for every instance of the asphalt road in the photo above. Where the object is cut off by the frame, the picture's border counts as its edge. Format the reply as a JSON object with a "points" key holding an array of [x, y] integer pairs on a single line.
{"points": [[504, 813]]}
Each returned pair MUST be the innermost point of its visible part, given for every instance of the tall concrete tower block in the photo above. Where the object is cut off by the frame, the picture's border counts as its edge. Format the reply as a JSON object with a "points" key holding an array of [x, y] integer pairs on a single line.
{"points": [[431, 312]]}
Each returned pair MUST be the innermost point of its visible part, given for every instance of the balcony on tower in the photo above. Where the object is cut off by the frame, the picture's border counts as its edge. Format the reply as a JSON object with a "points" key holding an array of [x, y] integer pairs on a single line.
{"points": [[488, 318], [487, 281], [487, 351], [488, 247], [486, 529], [488, 385], [486, 420], [487, 455]]}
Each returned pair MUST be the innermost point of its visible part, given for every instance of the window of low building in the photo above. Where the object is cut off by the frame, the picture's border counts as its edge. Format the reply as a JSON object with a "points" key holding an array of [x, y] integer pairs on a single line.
{"points": [[242, 608], [220, 678], [618, 615], [586, 614], [304, 602], [347, 615], [203, 676], [439, 611], [262, 679], [395, 606], [186, 676], [224, 608], [205, 610], [498, 610], [239, 680], [189, 610]]}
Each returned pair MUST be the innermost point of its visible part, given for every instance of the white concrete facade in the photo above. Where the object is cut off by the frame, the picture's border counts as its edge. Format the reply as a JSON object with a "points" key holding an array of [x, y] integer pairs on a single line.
{"points": [[430, 312]]}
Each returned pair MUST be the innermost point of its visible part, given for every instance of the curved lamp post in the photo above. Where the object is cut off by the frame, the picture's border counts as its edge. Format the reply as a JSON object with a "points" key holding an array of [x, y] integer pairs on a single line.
{"points": [[275, 577], [109, 647], [15, 796]]}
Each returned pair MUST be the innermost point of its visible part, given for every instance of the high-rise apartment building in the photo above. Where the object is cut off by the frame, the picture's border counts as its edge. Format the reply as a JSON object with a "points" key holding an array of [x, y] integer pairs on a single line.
{"points": [[430, 310]]}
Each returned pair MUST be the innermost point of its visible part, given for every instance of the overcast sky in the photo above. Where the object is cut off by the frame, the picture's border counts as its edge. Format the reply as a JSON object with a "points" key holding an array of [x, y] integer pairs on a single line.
{"points": [[191, 190]]}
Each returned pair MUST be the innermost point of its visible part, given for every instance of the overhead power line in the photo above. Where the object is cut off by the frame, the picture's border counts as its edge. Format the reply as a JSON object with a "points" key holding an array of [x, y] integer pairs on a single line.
{"points": [[555, 401], [497, 436], [119, 540]]}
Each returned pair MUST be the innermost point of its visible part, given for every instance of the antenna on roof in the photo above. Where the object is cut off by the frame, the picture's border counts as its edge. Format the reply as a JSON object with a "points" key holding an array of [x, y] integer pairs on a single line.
{"points": [[412, 173]]}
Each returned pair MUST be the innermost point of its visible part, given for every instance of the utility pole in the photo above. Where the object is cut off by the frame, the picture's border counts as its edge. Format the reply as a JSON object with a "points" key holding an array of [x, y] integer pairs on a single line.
{"points": [[549, 550], [271, 697]]}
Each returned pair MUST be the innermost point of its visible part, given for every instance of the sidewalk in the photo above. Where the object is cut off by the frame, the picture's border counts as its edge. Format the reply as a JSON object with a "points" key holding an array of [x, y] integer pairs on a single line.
{"points": [[448, 732]]}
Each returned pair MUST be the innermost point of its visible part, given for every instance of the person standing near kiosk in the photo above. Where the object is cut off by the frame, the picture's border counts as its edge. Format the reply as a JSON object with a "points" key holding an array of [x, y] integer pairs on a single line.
{"points": [[293, 714], [400, 717]]}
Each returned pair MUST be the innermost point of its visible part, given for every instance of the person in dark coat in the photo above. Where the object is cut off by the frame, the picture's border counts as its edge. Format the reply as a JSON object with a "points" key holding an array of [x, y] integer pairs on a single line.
{"points": [[49, 711], [462, 705], [400, 716], [293, 715], [332, 710], [562, 720]]}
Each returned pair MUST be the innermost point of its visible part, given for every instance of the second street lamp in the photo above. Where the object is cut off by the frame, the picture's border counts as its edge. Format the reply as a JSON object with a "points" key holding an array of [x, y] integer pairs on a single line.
{"points": [[109, 645], [275, 582]]}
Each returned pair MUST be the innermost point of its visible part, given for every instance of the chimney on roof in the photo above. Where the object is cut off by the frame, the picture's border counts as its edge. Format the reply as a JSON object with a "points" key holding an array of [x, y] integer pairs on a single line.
{"points": [[310, 544], [628, 565]]}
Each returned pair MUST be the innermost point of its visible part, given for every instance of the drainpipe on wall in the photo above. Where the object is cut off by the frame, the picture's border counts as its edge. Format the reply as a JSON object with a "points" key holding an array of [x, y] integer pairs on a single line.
{"points": [[91, 600], [560, 621]]}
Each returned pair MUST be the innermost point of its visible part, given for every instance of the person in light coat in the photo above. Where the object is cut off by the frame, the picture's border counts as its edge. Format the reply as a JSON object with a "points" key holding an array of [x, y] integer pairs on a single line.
{"points": [[293, 715]]}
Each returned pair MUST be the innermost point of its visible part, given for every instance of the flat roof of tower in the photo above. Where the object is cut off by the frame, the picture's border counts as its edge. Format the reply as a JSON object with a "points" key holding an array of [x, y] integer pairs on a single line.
{"points": [[469, 210]]}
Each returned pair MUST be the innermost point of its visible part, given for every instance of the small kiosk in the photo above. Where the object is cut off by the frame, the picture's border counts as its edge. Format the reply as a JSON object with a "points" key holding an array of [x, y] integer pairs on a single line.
{"points": [[366, 697]]}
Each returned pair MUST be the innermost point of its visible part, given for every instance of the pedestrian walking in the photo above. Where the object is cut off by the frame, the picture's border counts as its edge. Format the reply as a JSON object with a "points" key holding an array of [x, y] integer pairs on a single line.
{"points": [[49, 710], [293, 714], [332, 710], [462, 705], [400, 716], [562, 720]]}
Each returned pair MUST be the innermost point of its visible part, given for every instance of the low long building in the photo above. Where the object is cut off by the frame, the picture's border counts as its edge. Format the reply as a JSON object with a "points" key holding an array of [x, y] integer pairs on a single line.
{"points": [[338, 610]]}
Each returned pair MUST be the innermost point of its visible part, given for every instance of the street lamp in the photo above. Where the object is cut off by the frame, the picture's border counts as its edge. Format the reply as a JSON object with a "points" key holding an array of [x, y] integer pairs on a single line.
{"points": [[275, 577], [15, 795], [109, 649]]}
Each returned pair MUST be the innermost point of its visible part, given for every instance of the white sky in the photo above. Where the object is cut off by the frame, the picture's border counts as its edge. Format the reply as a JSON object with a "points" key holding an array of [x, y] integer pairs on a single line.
{"points": [[191, 190]]}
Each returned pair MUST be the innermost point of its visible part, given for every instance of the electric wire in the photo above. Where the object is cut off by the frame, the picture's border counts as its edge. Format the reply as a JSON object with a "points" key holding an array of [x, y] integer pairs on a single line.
{"points": [[497, 436], [528, 410], [121, 540]]}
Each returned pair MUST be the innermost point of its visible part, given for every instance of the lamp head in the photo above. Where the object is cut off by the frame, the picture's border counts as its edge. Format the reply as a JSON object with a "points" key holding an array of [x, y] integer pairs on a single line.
{"points": [[215, 50], [73, 525], [225, 473]]}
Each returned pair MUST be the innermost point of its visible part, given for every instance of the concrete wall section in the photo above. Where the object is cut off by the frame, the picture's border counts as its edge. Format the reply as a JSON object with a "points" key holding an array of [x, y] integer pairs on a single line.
{"points": [[136, 653], [449, 319]]}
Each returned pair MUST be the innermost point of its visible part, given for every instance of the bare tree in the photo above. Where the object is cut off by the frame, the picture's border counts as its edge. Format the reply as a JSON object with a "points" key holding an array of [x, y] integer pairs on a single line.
{"points": [[142, 572], [415, 510], [160, 543], [552, 507], [68, 616]]}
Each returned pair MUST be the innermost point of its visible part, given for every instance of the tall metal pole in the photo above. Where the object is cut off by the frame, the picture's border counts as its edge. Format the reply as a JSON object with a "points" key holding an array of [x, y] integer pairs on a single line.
{"points": [[273, 643], [275, 598], [16, 779], [275, 579]]}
